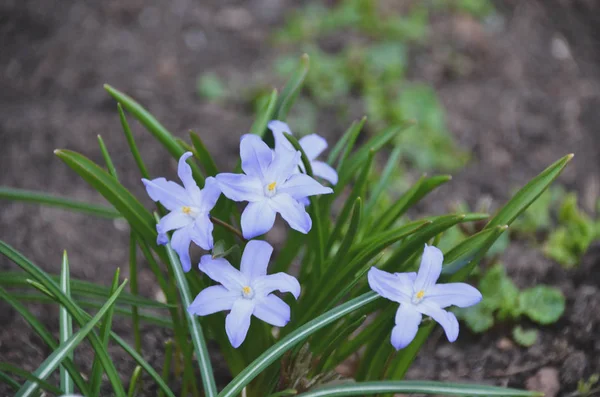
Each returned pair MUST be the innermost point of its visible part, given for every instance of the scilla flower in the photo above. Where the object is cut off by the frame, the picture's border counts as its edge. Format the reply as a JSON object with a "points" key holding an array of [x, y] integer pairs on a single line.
{"points": [[271, 186], [189, 206], [313, 145], [245, 292], [419, 294]]}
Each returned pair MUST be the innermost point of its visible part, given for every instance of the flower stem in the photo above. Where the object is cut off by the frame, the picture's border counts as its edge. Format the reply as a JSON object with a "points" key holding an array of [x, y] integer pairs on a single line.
{"points": [[228, 227]]}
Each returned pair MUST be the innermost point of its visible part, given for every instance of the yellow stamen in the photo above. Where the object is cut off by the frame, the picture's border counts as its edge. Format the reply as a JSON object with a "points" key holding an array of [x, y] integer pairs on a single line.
{"points": [[186, 210], [420, 294], [271, 186], [247, 290]]}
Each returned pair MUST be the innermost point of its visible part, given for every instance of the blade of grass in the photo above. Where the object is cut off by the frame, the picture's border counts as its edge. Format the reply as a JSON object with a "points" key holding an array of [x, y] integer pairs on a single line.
{"points": [[133, 287], [203, 155], [54, 360], [30, 196], [131, 142], [384, 180], [30, 378], [264, 116], [107, 159], [167, 364], [291, 340], [292, 88], [346, 142], [133, 382], [13, 384], [66, 325]]}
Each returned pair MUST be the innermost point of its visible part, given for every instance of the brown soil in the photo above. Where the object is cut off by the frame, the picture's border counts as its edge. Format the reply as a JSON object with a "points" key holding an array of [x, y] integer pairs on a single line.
{"points": [[526, 94]]}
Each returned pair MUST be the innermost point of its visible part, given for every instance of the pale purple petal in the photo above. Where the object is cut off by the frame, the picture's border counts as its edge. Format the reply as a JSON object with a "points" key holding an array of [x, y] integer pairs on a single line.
{"points": [[271, 309], [279, 128], [292, 211], [255, 258], [209, 194], [240, 187], [457, 294], [302, 185], [220, 270], [237, 321], [255, 154], [213, 299], [313, 145], [257, 218], [406, 282], [281, 282], [162, 239], [180, 241], [168, 193], [202, 232], [446, 319], [285, 164], [430, 268], [173, 220], [389, 285], [325, 171], [185, 174], [407, 325]]}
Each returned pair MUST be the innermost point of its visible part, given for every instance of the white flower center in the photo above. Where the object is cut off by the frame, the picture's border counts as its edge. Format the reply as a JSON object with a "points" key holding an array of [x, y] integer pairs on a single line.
{"points": [[247, 292], [418, 297], [271, 189], [190, 211]]}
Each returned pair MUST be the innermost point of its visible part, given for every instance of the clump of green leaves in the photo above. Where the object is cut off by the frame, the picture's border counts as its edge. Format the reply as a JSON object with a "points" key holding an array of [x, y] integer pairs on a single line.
{"points": [[503, 301]]}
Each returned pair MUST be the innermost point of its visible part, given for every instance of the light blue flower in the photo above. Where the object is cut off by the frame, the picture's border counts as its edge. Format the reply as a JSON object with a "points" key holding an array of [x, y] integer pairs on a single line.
{"points": [[313, 145], [245, 292], [271, 186], [419, 294], [189, 208]]}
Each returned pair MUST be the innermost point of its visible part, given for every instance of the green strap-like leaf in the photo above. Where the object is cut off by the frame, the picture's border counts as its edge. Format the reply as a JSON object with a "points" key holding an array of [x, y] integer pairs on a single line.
{"points": [[264, 116], [30, 378], [131, 142], [346, 143], [54, 360], [292, 89], [203, 155], [29, 196], [65, 324], [429, 387], [291, 340], [110, 166]]}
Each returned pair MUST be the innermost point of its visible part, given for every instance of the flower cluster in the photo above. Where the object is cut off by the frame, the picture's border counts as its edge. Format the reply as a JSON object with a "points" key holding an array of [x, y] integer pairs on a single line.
{"points": [[272, 183]]}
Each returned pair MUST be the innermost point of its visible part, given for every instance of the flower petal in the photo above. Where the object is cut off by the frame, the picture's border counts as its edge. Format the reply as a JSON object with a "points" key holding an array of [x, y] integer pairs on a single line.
{"points": [[255, 259], [168, 193], [257, 218], [271, 309], [209, 194], [255, 154], [184, 171], [313, 145], [201, 232], [173, 220], [457, 294], [292, 211], [281, 282], [325, 171], [180, 241], [279, 128], [213, 299], [240, 187], [220, 270], [446, 319], [237, 321], [302, 185], [388, 285], [162, 239], [285, 164], [430, 268], [407, 325]]}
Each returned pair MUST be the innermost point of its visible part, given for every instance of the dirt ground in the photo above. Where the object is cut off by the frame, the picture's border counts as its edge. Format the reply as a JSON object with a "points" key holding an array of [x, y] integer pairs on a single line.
{"points": [[529, 94]]}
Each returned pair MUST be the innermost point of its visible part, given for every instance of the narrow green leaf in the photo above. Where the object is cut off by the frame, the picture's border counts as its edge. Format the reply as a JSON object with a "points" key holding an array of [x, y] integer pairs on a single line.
{"points": [[133, 382], [135, 213], [29, 196], [208, 380], [384, 180], [421, 387], [264, 116], [203, 155], [283, 393], [292, 89], [66, 325], [166, 370], [69, 304], [133, 287], [131, 142], [291, 340], [54, 360], [528, 194], [154, 127], [346, 142], [336, 340], [4, 378], [96, 375], [350, 234], [46, 336], [29, 377], [110, 166]]}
